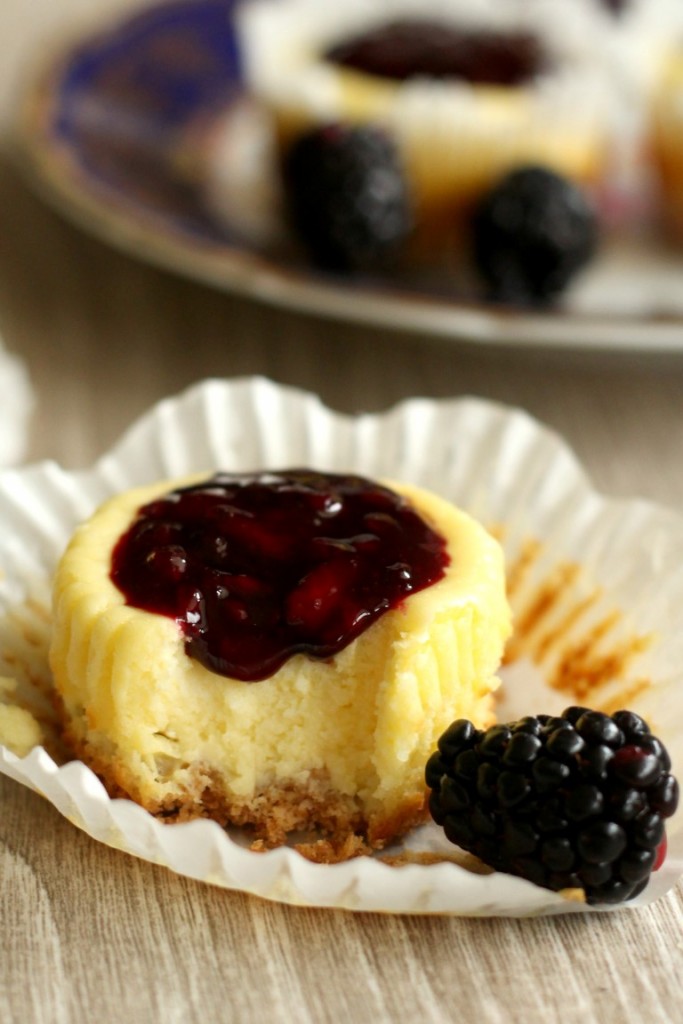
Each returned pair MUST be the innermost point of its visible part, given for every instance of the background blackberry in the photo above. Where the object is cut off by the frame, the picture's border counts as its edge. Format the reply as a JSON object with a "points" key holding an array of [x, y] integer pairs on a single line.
{"points": [[531, 234], [348, 198], [575, 801]]}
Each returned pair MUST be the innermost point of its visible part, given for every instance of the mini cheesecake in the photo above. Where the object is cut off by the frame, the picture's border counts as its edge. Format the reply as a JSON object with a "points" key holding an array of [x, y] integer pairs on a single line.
{"points": [[277, 650], [467, 91]]}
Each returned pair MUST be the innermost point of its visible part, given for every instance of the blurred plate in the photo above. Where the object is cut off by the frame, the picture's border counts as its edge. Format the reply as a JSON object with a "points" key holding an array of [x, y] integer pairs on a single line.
{"points": [[102, 132]]}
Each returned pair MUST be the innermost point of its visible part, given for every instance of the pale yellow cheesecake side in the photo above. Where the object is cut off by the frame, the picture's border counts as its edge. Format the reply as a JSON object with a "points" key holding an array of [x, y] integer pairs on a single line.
{"points": [[340, 744]]}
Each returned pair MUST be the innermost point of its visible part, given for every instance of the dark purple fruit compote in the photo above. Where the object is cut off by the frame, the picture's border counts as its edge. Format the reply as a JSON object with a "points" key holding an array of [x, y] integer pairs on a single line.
{"points": [[410, 47], [258, 567]]}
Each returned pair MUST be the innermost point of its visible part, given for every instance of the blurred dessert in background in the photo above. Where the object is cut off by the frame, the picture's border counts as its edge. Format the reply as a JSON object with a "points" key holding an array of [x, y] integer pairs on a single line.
{"points": [[465, 91], [455, 97], [667, 144]]}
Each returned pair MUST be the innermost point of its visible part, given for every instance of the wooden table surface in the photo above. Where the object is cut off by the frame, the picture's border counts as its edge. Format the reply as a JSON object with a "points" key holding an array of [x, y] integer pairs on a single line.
{"points": [[88, 933]]}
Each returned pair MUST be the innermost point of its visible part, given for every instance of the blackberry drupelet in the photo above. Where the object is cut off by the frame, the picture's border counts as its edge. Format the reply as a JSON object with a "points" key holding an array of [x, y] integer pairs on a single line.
{"points": [[531, 234], [348, 197], [575, 801]]}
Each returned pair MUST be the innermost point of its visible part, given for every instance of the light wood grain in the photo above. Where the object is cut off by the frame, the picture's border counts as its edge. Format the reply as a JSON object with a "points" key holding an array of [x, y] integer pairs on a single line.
{"points": [[88, 933]]}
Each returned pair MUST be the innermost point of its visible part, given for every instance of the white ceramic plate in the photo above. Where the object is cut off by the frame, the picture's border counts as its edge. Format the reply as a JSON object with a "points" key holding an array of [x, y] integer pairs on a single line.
{"points": [[594, 586], [113, 130]]}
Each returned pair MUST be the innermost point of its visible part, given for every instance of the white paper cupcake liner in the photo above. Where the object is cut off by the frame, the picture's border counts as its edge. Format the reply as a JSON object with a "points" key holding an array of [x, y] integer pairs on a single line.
{"points": [[594, 585], [16, 405]]}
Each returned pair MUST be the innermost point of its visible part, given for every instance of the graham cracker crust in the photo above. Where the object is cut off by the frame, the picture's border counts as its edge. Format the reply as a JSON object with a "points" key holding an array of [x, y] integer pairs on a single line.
{"points": [[335, 825]]}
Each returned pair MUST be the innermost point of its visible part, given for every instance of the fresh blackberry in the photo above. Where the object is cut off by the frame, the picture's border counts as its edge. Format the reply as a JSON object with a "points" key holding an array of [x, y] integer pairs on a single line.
{"points": [[575, 801], [348, 197], [531, 234]]}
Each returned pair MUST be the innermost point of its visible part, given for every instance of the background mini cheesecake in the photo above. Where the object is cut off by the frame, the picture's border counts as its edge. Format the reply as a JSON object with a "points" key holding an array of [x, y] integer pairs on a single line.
{"points": [[467, 91]]}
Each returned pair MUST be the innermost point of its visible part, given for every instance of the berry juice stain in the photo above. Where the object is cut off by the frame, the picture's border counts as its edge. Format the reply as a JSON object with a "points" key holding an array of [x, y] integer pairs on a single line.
{"points": [[410, 47], [258, 567]]}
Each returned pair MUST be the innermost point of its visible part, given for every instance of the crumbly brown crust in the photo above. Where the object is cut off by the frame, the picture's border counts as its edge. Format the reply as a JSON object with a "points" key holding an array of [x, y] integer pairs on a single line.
{"points": [[341, 829]]}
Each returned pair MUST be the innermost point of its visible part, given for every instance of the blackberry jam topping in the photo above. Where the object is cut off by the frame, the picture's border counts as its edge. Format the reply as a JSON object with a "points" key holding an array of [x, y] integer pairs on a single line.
{"points": [[258, 567], [413, 47]]}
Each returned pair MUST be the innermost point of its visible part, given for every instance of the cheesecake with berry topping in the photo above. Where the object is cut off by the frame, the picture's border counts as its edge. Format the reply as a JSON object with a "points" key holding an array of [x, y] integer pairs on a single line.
{"points": [[276, 650], [466, 91]]}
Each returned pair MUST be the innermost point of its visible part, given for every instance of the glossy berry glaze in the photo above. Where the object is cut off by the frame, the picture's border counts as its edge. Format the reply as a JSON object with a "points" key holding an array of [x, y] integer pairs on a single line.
{"points": [[411, 47], [256, 568]]}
